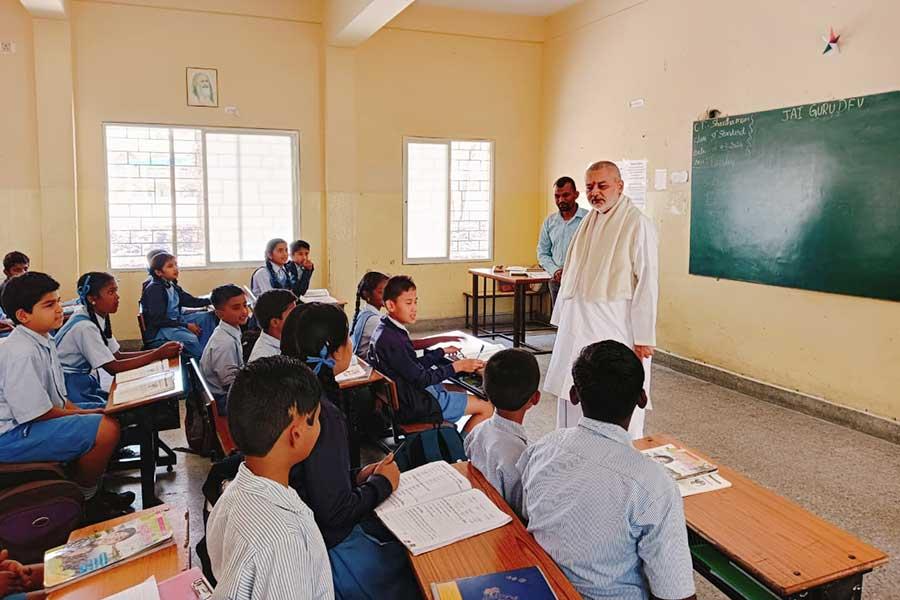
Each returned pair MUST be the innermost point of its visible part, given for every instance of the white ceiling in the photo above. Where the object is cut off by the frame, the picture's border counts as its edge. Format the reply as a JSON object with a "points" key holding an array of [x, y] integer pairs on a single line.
{"points": [[535, 8]]}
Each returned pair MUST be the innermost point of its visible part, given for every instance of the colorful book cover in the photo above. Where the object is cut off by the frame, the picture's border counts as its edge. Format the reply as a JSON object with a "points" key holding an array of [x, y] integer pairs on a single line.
{"points": [[521, 584], [80, 558]]}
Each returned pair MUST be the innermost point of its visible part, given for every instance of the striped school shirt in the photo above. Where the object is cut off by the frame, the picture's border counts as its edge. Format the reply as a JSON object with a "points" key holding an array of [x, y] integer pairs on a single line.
{"points": [[264, 544], [610, 517]]}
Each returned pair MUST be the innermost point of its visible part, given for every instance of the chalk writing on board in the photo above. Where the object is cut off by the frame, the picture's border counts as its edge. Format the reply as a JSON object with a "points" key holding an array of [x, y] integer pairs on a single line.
{"points": [[822, 110]]}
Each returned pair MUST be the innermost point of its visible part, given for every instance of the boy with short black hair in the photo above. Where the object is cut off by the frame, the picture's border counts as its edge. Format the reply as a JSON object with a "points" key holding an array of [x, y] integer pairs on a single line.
{"points": [[302, 265], [37, 421], [263, 540], [423, 398], [222, 356], [271, 310], [511, 380], [15, 263], [574, 479]]}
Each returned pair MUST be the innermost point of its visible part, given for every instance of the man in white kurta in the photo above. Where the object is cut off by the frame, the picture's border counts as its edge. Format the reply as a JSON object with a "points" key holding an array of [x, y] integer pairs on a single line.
{"points": [[609, 291]]}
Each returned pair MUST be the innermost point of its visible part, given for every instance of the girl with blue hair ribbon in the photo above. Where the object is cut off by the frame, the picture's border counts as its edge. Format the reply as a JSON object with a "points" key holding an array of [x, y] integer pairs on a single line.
{"points": [[367, 561], [86, 343]]}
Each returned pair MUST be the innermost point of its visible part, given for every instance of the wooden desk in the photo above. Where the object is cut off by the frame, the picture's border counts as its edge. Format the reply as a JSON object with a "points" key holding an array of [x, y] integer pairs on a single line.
{"points": [[787, 549], [164, 563], [519, 284], [509, 547], [144, 418]]}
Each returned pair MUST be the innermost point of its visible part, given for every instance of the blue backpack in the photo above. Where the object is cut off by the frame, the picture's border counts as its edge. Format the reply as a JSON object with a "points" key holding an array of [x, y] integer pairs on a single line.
{"points": [[442, 442]]}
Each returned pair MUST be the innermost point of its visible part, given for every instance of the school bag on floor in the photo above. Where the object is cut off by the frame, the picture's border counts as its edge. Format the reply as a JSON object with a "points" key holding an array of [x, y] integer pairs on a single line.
{"points": [[440, 442]]}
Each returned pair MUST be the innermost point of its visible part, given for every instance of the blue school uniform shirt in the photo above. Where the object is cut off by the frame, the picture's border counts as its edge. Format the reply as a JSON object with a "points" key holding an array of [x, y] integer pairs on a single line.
{"points": [[556, 235], [222, 358], [31, 378], [265, 346], [610, 517], [80, 346], [494, 447]]}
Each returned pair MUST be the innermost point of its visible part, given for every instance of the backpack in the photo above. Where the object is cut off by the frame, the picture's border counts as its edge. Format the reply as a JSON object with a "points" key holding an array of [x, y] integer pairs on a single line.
{"points": [[248, 340], [39, 508], [441, 442]]}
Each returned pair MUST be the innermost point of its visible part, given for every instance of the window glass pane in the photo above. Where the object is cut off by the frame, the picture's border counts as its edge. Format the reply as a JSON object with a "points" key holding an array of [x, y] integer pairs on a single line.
{"points": [[426, 198], [470, 197], [251, 194], [189, 220], [139, 193]]}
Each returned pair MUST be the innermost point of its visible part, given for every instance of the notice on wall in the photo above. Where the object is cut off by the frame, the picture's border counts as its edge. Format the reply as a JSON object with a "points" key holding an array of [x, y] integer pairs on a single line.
{"points": [[634, 174], [660, 179]]}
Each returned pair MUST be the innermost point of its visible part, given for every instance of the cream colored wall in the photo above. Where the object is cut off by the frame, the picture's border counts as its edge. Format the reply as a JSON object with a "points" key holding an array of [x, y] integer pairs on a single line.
{"points": [[412, 82], [129, 64], [685, 57], [20, 199]]}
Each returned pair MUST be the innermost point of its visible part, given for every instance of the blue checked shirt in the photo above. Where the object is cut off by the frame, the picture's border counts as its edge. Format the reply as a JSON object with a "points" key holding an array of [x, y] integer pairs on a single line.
{"points": [[610, 517], [494, 447], [264, 544], [556, 235]]}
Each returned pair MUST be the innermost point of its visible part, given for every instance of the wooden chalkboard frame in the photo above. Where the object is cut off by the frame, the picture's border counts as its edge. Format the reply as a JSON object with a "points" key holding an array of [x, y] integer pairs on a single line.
{"points": [[804, 197]]}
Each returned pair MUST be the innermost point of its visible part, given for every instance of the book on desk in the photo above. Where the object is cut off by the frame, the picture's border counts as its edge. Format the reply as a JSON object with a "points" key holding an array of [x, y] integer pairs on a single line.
{"points": [[693, 474], [435, 506], [520, 584]]}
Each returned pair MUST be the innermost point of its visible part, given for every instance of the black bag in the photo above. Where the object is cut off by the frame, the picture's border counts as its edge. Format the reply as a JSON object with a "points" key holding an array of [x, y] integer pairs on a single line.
{"points": [[442, 442], [248, 340]]}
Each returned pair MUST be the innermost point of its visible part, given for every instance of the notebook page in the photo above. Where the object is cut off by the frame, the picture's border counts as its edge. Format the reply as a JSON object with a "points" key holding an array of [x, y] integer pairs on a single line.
{"points": [[158, 366], [144, 388], [425, 483]]}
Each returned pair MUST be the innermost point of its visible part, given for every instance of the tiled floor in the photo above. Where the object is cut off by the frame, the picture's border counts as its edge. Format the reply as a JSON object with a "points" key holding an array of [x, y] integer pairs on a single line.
{"points": [[846, 477]]}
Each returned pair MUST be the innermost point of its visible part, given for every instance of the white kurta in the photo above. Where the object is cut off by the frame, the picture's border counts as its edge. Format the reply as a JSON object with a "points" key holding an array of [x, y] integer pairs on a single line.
{"points": [[630, 322]]}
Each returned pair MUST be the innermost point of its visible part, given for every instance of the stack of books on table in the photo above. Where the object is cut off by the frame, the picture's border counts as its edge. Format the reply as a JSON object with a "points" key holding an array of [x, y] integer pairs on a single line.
{"points": [[318, 295], [692, 474]]}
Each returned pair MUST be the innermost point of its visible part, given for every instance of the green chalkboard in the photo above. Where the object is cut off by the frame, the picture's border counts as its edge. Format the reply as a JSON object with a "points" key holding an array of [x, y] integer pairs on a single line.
{"points": [[804, 197]]}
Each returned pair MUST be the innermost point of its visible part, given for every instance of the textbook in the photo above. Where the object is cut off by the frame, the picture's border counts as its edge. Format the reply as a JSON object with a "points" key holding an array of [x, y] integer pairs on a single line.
{"points": [[520, 584], [709, 482], [679, 463], [143, 388], [434, 506], [355, 371], [80, 558], [158, 366]]}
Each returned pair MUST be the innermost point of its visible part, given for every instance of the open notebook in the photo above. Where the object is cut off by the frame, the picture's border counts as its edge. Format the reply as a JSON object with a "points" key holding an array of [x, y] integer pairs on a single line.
{"points": [[434, 506], [143, 388]]}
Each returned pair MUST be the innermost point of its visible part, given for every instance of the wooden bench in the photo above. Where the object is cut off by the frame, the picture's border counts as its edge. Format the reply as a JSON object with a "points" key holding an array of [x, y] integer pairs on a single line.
{"points": [[494, 296], [213, 419]]}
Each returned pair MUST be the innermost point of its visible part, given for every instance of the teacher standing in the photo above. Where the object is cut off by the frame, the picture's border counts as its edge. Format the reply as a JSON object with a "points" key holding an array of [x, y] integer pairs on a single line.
{"points": [[609, 288]]}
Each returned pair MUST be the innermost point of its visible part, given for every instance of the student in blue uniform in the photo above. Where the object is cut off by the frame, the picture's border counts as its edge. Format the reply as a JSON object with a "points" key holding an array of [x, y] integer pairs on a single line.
{"points": [[15, 263], [162, 303], [366, 318], [275, 274], [367, 562], [301, 266], [223, 356], [37, 422], [86, 343], [271, 310]]}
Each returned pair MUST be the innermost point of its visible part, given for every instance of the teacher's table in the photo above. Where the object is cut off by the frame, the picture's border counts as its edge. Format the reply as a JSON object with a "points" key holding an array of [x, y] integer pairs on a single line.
{"points": [[519, 285], [503, 549], [163, 562], [145, 416], [751, 543]]}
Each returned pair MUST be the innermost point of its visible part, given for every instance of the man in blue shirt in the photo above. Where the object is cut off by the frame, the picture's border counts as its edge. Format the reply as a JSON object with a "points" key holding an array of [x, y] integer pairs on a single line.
{"points": [[558, 230], [610, 517]]}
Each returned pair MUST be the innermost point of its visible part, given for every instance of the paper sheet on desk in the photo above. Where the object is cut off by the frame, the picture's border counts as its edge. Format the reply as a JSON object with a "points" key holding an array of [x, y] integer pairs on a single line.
{"points": [[157, 366], [423, 484], [141, 389], [471, 347]]}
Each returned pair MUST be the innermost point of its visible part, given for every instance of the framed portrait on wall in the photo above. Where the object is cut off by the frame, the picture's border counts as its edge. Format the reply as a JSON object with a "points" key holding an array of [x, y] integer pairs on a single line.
{"points": [[202, 87]]}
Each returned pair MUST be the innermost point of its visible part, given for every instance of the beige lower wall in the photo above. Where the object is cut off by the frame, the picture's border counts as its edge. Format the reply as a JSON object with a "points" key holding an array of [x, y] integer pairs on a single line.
{"points": [[685, 57]]}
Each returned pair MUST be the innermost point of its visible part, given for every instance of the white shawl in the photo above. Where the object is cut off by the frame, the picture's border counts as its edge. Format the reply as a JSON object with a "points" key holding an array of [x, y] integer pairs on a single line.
{"points": [[599, 265]]}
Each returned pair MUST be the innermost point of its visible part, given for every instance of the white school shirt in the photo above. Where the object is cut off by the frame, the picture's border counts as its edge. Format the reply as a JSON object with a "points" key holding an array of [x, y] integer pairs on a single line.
{"points": [[494, 447], [264, 544], [630, 322], [610, 517], [31, 378], [261, 282], [82, 348], [362, 350], [222, 358], [265, 345]]}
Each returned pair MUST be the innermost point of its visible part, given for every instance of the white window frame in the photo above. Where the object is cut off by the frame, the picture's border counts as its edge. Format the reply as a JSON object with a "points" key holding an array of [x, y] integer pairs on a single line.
{"points": [[295, 178], [445, 259]]}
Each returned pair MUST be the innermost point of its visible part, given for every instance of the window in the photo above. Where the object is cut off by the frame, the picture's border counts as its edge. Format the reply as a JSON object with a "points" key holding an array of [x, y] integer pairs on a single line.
{"points": [[209, 196], [448, 200]]}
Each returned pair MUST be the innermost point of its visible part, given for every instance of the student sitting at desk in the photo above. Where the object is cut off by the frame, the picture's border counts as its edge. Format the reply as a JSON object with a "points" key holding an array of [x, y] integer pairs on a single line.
{"points": [[276, 273], [301, 265], [511, 380], [610, 517], [86, 343], [263, 540], [163, 301], [150, 256], [423, 397], [271, 311], [15, 263], [37, 422], [223, 356], [366, 560]]}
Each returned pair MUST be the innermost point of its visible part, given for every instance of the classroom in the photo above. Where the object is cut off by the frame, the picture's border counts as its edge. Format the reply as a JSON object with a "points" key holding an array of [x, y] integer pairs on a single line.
{"points": [[487, 200]]}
